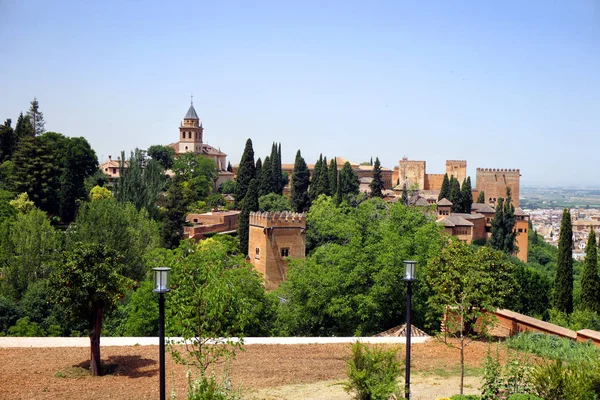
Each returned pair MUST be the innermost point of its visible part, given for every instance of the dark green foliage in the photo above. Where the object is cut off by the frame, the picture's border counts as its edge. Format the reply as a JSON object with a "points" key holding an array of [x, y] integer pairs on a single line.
{"points": [[590, 280], [198, 174], [455, 194], [532, 292], [140, 314], [445, 189], [8, 141], [36, 118], [323, 184], [554, 347], [258, 169], [313, 190], [165, 155], [176, 206], [249, 204], [404, 198], [563, 283], [9, 313], [141, 182], [348, 183], [481, 197], [227, 187], [465, 197], [372, 372], [246, 172], [333, 176], [520, 396], [376, 184], [229, 167], [6, 210], [23, 128], [558, 380], [273, 202], [503, 226], [264, 179], [275, 178], [300, 181]]}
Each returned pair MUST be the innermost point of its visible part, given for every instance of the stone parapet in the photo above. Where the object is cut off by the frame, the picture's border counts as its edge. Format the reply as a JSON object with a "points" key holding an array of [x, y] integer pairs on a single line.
{"points": [[278, 219]]}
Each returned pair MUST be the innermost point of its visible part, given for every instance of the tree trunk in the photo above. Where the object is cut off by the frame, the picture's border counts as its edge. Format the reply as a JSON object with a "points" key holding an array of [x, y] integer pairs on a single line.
{"points": [[462, 352], [95, 330]]}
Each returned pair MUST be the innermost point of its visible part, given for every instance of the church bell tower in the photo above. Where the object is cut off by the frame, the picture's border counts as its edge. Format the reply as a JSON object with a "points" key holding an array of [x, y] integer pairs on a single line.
{"points": [[190, 132]]}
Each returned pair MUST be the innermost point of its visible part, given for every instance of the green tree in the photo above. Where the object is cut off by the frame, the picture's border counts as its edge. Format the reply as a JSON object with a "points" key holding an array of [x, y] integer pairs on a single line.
{"points": [[563, 283], [313, 190], [22, 203], [7, 209], [445, 190], [275, 183], [404, 198], [258, 169], [323, 184], [176, 205], [8, 141], [227, 187], [273, 202], [466, 285], [481, 197], [23, 128], [300, 181], [9, 313], [120, 227], [245, 173], [98, 193], [89, 285], [455, 194], [165, 155], [465, 197], [264, 179], [376, 184], [348, 184], [249, 204], [333, 176], [504, 236], [229, 167], [198, 174], [590, 280], [36, 118]]}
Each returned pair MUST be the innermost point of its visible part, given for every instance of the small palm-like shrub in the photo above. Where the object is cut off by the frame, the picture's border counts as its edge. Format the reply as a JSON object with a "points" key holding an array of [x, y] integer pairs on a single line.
{"points": [[372, 372]]}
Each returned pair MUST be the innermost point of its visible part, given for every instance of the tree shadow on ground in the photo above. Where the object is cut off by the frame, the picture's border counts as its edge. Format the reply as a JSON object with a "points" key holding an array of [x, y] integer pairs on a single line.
{"points": [[133, 366]]}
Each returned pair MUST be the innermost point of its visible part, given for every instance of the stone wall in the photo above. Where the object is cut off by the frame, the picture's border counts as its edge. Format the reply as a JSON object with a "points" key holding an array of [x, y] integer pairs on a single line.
{"points": [[494, 181], [434, 181], [413, 171]]}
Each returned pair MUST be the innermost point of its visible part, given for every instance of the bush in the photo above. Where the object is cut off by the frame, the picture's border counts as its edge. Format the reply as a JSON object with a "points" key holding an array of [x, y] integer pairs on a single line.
{"points": [[559, 380], [465, 397], [24, 327], [372, 373], [209, 388], [520, 396]]}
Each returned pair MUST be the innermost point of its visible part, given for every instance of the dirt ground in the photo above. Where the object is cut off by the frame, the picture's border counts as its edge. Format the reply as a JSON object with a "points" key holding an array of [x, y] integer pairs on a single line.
{"points": [[263, 371]]}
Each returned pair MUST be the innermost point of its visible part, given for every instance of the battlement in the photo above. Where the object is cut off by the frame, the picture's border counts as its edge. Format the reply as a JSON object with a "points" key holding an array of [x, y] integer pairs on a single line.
{"points": [[457, 162], [278, 219], [503, 170]]}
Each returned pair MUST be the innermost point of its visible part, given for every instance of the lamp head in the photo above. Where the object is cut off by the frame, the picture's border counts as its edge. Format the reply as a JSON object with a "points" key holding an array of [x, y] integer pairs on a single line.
{"points": [[161, 280], [410, 268]]}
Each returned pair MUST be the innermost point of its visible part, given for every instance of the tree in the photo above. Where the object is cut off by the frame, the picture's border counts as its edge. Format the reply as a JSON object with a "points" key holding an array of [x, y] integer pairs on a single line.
{"points": [[300, 181], [176, 206], [313, 189], [89, 284], [348, 184], [227, 187], [404, 198], [165, 155], [323, 184], [36, 117], [98, 193], [273, 202], [275, 182], [8, 141], [249, 204], [376, 184], [23, 128], [590, 280], [454, 193], [264, 179], [229, 167], [481, 197], [333, 176], [258, 169], [563, 283], [504, 236], [466, 286], [445, 190], [465, 197], [245, 173], [198, 175]]}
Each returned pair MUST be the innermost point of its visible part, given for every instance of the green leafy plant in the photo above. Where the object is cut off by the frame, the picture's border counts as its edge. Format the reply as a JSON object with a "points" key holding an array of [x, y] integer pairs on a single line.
{"points": [[208, 387], [521, 396], [465, 397], [492, 375], [372, 372], [553, 347]]}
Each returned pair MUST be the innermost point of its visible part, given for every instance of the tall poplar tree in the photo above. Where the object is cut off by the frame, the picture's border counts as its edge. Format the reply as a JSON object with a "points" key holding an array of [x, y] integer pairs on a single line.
{"points": [[376, 184], [246, 172], [250, 203], [563, 283], [333, 176], [590, 280], [404, 198], [300, 182], [36, 118], [445, 189]]}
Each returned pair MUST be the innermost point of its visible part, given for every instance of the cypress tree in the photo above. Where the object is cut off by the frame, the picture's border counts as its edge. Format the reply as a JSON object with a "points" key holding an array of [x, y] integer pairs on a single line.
{"points": [[466, 197], [229, 167], [275, 175], [36, 118], [376, 185], [404, 195], [590, 280], [246, 172], [445, 189], [333, 177], [258, 169], [264, 183], [338, 192], [299, 187], [250, 203], [563, 283], [23, 128], [8, 141], [503, 225], [481, 197], [313, 191], [324, 187], [348, 184], [454, 193], [281, 178]]}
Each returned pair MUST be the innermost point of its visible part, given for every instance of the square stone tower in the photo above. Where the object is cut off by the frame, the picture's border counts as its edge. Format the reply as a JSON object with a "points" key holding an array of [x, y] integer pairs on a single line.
{"points": [[493, 181], [273, 237]]}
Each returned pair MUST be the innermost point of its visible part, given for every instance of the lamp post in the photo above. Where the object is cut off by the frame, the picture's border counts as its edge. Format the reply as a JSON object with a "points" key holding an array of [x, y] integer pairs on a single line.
{"points": [[409, 277], [161, 286]]}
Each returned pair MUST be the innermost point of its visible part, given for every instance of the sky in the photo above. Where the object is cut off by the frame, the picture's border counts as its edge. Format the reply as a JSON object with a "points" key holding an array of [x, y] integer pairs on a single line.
{"points": [[501, 84]]}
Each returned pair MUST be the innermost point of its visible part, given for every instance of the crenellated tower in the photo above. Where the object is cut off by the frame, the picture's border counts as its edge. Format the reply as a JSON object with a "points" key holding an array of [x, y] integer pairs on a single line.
{"points": [[494, 181], [273, 237]]}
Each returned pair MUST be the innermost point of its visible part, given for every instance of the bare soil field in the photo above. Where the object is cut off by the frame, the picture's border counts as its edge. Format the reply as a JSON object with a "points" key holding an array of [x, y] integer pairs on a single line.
{"points": [[272, 372]]}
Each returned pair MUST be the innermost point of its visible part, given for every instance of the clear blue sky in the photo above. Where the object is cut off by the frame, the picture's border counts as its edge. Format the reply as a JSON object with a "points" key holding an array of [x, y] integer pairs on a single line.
{"points": [[502, 84]]}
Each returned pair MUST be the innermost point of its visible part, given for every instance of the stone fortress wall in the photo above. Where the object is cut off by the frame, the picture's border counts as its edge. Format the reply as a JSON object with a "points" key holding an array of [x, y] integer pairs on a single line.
{"points": [[494, 181]]}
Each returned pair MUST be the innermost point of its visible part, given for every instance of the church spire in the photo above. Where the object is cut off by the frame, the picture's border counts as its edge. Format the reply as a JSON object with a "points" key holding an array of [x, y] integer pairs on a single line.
{"points": [[191, 114]]}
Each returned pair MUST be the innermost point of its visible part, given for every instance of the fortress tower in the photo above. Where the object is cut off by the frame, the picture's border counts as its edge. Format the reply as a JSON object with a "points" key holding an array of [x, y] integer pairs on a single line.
{"points": [[457, 168], [272, 238], [493, 182], [412, 172]]}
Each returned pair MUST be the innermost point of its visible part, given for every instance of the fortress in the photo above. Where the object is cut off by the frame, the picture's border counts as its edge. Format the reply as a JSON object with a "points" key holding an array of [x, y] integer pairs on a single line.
{"points": [[273, 237]]}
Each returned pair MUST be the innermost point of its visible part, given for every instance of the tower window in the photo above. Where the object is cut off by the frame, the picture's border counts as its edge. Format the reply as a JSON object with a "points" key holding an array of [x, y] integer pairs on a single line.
{"points": [[183, 135], [285, 252], [257, 253]]}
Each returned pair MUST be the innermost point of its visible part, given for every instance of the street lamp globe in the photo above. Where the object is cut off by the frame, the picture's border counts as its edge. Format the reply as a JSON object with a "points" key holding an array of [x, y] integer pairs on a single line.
{"points": [[161, 279]]}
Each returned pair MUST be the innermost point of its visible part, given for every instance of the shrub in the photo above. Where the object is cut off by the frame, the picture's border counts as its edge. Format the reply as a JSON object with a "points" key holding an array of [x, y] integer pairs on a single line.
{"points": [[372, 373], [465, 397], [559, 380], [520, 396], [209, 388]]}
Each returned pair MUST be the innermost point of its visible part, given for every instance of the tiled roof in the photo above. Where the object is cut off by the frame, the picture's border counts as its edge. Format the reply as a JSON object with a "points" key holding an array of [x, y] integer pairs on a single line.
{"points": [[444, 202], [482, 208], [191, 114], [454, 220], [520, 213]]}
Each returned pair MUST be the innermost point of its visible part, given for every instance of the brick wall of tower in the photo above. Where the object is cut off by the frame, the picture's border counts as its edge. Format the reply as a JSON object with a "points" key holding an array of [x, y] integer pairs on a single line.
{"points": [[270, 233], [493, 182], [433, 181], [414, 171], [457, 168]]}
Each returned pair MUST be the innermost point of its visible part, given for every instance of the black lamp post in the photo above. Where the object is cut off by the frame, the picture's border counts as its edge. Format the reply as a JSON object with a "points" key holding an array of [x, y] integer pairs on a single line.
{"points": [[161, 286], [409, 277]]}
